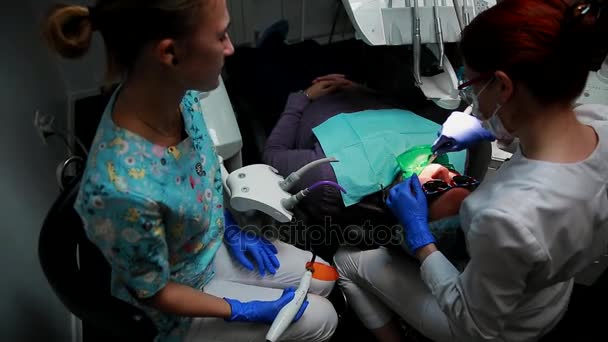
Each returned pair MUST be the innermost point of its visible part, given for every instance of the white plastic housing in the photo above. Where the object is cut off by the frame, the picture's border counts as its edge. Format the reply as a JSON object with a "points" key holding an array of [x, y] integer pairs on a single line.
{"points": [[256, 187]]}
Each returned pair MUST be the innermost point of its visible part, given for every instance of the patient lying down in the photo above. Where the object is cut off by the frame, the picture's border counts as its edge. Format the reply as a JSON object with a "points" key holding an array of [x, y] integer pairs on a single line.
{"points": [[445, 190]]}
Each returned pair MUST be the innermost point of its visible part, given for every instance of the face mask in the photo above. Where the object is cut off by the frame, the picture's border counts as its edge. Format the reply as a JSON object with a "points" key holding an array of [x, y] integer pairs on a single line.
{"points": [[475, 100], [493, 124]]}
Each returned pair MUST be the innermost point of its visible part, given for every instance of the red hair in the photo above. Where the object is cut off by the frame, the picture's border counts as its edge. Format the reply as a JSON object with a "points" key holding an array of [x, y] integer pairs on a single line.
{"points": [[546, 45]]}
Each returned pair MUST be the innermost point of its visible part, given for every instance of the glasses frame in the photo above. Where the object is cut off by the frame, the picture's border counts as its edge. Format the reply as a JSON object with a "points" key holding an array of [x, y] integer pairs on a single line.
{"points": [[466, 92], [471, 184]]}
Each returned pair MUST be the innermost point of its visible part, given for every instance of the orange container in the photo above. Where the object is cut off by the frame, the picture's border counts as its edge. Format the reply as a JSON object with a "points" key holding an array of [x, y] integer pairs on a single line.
{"points": [[323, 271]]}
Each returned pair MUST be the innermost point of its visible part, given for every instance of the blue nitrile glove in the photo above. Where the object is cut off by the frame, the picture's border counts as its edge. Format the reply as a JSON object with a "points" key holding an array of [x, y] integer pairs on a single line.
{"points": [[408, 203], [460, 131], [242, 243], [262, 311]]}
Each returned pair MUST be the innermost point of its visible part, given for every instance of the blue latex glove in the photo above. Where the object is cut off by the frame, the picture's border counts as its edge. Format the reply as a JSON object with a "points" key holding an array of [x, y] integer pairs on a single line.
{"points": [[408, 203], [262, 311], [243, 244], [460, 131]]}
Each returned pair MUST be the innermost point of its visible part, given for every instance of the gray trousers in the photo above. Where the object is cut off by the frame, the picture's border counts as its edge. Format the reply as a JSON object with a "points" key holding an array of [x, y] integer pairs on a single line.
{"points": [[234, 281], [380, 283]]}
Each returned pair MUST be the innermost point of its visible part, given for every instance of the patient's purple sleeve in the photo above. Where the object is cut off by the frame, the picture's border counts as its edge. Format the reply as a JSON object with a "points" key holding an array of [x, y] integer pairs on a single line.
{"points": [[283, 136], [280, 150]]}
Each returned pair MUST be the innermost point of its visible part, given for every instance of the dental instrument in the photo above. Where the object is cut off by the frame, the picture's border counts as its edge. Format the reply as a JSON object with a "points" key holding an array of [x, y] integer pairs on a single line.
{"points": [[288, 312], [417, 40], [459, 14], [376, 21], [438, 32], [467, 13]]}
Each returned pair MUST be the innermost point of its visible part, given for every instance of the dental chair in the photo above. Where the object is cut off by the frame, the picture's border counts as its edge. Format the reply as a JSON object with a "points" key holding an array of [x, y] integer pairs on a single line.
{"points": [[80, 276]]}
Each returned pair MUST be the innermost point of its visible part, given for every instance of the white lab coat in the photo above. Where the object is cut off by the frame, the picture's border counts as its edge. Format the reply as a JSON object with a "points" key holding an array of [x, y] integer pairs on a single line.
{"points": [[529, 230]]}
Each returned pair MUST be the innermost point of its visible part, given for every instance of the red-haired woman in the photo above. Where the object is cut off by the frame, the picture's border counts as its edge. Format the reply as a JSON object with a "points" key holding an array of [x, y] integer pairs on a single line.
{"points": [[530, 229]]}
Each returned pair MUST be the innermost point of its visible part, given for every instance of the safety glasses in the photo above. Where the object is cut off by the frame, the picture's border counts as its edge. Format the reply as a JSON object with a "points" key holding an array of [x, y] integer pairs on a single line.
{"points": [[465, 90], [436, 187]]}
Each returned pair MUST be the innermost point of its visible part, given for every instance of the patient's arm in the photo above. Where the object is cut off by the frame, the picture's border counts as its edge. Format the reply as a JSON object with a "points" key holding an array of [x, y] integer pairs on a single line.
{"points": [[324, 200], [292, 143], [283, 136], [281, 151]]}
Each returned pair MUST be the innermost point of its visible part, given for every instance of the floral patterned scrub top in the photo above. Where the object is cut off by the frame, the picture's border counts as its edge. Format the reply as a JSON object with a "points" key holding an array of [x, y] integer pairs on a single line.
{"points": [[154, 212]]}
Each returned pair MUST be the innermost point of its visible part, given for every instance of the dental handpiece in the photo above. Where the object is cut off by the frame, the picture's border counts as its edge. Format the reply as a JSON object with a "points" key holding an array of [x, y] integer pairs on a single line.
{"points": [[417, 42], [466, 13], [439, 33], [289, 311], [459, 14]]}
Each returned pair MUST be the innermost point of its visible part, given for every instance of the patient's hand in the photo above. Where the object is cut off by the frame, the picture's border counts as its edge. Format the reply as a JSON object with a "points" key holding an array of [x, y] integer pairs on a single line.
{"points": [[330, 77], [328, 84]]}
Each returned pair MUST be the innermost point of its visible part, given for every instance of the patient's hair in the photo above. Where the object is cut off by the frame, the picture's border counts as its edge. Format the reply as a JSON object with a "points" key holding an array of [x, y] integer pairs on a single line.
{"points": [[125, 25], [547, 45]]}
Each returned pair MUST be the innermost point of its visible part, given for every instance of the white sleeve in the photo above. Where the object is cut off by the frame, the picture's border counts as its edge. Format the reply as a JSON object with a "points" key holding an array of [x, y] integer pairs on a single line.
{"points": [[477, 301], [591, 112]]}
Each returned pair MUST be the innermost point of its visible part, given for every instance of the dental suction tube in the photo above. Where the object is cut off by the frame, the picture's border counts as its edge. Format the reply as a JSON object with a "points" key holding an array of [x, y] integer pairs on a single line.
{"points": [[291, 202], [295, 176]]}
